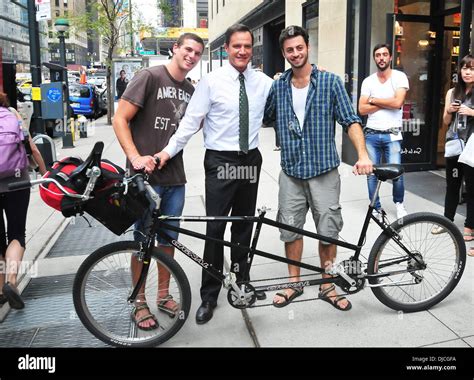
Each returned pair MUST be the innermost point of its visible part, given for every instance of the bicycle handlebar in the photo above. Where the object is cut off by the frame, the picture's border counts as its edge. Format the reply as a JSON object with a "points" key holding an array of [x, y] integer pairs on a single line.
{"points": [[139, 180], [19, 185], [140, 184]]}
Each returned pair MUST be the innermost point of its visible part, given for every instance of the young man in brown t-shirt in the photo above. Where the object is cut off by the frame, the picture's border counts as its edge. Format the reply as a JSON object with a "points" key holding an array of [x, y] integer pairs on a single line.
{"points": [[148, 115]]}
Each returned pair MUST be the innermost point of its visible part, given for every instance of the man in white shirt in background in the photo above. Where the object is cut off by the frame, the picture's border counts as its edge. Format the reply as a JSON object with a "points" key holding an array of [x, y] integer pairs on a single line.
{"points": [[231, 102], [382, 96]]}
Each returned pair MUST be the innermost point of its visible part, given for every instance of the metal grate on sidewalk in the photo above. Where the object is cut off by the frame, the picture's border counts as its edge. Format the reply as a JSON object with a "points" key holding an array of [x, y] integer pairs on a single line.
{"points": [[81, 239], [48, 319]]}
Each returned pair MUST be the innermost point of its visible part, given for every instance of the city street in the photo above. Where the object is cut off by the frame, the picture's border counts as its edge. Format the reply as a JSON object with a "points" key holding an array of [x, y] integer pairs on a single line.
{"points": [[56, 246]]}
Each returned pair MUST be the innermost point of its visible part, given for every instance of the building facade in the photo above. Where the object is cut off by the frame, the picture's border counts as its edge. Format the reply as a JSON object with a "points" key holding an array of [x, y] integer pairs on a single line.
{"points": [[76, 42], [190, 15], [14, 35], [97, 47], [427, 39]]}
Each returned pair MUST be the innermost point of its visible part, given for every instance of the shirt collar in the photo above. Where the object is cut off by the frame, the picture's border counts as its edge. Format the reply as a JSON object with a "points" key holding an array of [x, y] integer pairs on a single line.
{"points": [[234, 73], [286, 76]]}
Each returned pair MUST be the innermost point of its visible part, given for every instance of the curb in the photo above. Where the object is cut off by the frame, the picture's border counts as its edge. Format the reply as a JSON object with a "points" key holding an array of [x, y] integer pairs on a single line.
{"points": [[25, 278]]}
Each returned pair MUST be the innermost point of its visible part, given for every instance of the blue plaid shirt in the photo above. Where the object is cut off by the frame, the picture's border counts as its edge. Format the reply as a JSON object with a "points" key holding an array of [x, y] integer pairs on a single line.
{"points": [[309, 151]]}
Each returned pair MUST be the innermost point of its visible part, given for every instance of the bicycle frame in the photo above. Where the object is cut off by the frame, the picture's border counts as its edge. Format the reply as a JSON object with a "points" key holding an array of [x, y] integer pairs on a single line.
{"points": [[159, 224]]}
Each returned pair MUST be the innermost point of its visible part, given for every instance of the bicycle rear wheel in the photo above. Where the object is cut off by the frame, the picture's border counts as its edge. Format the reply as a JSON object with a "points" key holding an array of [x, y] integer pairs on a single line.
{"points": [[444, 255], [104, 283]]}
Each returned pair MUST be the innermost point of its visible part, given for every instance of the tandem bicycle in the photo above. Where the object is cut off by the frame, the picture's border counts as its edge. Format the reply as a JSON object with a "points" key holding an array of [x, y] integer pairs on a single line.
{"points": [[409, 268]]}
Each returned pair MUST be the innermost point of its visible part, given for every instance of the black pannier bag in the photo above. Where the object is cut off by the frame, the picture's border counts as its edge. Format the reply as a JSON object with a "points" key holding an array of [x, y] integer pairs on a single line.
{"points": [[110, 206], [115, 210]]}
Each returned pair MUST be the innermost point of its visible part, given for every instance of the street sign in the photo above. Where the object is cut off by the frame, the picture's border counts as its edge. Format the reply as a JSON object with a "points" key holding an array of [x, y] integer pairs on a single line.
{"points": [[147, 52], [43, 10], [54, 95], [36, 93], [52, 104]]}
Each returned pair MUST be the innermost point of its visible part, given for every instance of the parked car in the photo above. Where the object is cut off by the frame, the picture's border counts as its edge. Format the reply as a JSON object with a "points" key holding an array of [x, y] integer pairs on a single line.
{"points": [[103, 101], [24, 87], [99, 81], [84, 100]]}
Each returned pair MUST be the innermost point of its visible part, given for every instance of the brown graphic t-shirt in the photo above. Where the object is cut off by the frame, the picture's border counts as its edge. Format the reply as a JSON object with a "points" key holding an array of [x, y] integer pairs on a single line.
{"points": [[162, 101]]}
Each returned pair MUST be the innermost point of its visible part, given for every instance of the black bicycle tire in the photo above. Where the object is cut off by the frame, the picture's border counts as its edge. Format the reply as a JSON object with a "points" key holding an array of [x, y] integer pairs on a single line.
{"points": [[397, 225], [172, 265]]}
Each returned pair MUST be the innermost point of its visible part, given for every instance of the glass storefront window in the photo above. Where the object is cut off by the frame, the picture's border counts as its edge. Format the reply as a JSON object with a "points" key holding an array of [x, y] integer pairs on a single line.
{"points": [[452, 4], [413, 7], [453, 20]]}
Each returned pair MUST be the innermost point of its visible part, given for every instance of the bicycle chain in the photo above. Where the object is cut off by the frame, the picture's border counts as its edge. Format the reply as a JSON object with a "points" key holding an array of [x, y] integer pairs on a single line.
{"points": [[279, 278]]}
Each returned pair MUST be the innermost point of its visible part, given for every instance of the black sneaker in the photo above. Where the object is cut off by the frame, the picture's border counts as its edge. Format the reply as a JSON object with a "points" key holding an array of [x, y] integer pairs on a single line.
{"points": [[13, 296]]}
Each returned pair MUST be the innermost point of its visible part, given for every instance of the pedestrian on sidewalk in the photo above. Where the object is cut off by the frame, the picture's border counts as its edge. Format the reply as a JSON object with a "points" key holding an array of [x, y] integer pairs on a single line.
{"points": [[382, 96], [148, 114], [303, 104], [459, 115], [13, 204], [230, 102]]}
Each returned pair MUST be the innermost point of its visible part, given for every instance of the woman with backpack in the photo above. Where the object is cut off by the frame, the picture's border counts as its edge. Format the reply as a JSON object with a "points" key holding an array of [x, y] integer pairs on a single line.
{"points": [[14, 204]]}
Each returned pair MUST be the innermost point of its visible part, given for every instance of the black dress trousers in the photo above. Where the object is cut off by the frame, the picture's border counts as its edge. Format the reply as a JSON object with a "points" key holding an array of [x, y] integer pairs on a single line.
{"points": [[231, 187]]}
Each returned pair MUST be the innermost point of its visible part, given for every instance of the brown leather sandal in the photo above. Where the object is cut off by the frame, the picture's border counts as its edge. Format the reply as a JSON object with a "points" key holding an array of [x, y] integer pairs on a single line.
{"points": [[323, 295], [170, 311], [288, 299], [144, 318]]}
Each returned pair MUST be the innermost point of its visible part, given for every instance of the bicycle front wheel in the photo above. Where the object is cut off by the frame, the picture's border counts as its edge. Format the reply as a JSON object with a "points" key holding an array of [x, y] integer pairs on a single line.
{"points": [[436, 242], [104, 283]]}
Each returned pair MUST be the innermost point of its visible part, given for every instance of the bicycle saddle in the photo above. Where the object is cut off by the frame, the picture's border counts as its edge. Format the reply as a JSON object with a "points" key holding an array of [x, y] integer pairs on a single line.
{"points": [[93, 160], [388, 171]]}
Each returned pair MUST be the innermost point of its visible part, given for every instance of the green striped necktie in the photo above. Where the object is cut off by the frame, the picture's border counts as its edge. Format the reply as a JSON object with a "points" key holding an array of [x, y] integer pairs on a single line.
{"points": [[243, 116]]}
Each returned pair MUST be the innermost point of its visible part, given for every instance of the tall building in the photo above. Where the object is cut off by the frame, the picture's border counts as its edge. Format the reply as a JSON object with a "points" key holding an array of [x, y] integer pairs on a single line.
{"points": [[96, 44], [427, 38], [14, 35], [76, 42], [186, 16], [201, 13]]}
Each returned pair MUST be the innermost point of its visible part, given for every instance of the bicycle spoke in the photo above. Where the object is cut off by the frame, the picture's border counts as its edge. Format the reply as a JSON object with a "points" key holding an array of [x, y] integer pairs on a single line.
{"points": [[438, 253], [106, 287]]}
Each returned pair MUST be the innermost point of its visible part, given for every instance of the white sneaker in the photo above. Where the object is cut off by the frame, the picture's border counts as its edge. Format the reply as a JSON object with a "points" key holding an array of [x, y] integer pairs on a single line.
{"points": [[438, 230], [377, 214], [401, 212]]}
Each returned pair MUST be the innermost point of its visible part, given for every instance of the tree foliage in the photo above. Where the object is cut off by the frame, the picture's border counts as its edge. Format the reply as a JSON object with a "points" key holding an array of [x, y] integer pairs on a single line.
{"points": [[110, 20], [166, 9]]}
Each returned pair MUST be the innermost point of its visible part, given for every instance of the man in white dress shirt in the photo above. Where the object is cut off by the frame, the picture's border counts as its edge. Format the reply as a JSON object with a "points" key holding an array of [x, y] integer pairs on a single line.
{"points": [[231, 102]]}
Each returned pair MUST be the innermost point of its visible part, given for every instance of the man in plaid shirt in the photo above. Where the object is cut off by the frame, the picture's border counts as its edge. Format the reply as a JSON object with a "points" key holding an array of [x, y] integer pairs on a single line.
{"points": [[304, 104]]}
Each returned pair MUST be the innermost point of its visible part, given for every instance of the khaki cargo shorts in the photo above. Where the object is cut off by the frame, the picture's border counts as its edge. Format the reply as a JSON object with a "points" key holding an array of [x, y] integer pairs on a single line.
{"points": [[320, 194]]}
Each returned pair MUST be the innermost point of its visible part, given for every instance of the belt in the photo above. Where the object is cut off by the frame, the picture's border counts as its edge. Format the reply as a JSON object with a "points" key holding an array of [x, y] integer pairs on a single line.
{"points": [[233, 152], [370, 131]]}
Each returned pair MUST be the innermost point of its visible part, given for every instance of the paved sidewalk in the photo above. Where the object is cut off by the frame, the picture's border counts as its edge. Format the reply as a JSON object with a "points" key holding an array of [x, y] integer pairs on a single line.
{"points": [[58, 247]]}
